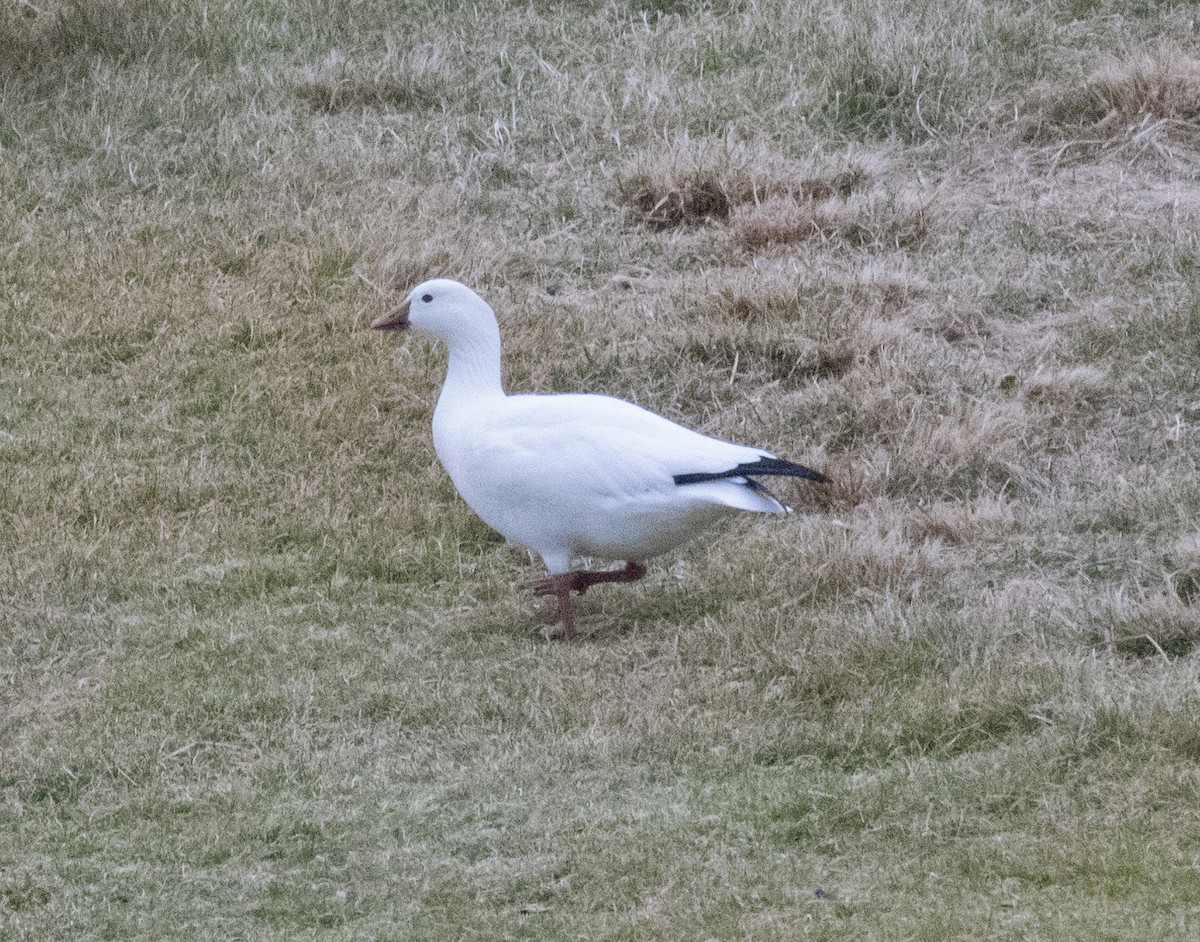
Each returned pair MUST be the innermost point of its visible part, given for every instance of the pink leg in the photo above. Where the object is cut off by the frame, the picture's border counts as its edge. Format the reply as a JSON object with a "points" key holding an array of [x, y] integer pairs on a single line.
{"points": [[580, 580]]}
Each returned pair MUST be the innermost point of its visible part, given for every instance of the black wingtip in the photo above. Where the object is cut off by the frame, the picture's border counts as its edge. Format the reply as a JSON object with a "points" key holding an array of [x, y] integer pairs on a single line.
{"points": [[782, 468], [763, 467]]}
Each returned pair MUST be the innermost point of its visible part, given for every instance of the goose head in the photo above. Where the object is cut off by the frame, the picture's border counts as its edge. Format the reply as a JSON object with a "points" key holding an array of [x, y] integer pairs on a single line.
{"points": [[447, 309]]}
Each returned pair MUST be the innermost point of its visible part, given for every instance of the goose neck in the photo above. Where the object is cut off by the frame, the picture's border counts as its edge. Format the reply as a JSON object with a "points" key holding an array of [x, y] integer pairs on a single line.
{"points": [[474, 369]]}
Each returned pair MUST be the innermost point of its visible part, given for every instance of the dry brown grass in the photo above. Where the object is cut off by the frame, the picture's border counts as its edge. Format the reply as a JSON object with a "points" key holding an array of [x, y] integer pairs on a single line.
{"points": [[688, 185], [1136, 102], [1160, 87], [772, 203], [882, 222], [685, 198]]}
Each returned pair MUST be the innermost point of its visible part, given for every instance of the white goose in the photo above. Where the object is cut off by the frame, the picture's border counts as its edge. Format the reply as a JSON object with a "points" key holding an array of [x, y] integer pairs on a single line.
{"points": [[573, 475]]}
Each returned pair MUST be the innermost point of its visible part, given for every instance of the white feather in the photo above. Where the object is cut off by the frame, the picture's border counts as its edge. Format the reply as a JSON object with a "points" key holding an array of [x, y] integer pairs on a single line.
{"points": [[569, 475]]}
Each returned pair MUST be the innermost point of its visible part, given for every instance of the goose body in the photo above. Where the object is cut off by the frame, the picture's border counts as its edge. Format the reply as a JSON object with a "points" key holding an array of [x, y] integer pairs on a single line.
{"points": [[574, 475]]}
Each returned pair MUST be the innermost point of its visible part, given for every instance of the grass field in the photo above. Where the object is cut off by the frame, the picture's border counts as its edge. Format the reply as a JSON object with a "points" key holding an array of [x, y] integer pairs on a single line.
{"points": [[264, 676]]}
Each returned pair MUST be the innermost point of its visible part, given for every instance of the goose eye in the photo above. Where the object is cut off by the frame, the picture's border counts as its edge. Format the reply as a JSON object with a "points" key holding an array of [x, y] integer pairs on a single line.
{"points": [[427, 298]]}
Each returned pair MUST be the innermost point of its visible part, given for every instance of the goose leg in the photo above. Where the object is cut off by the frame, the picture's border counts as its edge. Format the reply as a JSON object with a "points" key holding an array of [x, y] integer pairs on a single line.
{"points": [[566, 611], [580, 580]]}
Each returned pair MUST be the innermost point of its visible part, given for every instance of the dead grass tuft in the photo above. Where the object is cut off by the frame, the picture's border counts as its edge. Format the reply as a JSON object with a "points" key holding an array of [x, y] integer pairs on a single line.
{"points": [[849, 485], [781, 222], [824, 188], [787, 361], [1162, 87], [690, 185], [1133, 101], [763, 298], [879, 222], [687, 198]]}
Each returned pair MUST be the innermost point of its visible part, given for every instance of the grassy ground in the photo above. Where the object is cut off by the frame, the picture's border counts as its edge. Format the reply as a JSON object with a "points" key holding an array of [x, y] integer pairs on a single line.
{"points": [[264, 676]]}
